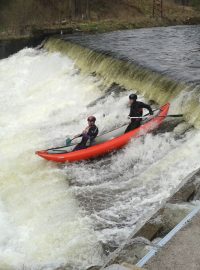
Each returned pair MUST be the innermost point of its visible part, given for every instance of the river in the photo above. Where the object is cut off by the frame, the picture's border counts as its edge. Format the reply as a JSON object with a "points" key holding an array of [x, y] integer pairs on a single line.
{"points": [[54, 215]]}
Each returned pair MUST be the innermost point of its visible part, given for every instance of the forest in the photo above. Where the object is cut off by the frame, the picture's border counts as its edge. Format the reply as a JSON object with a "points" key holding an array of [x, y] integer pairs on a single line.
{"points": [[20, 15]]}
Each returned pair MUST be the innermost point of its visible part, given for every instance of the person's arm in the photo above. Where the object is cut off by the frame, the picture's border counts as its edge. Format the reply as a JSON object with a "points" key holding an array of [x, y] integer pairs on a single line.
{"points": [[77, 136], [84, 133], [129, 112], [148, 107]]}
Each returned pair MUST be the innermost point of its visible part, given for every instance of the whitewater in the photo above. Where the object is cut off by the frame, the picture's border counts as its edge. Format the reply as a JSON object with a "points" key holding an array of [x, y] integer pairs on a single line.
{"points": [[52, 215]]}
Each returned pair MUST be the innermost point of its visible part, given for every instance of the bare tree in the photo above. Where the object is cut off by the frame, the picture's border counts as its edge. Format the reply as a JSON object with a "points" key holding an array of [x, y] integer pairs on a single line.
{"points": [[88, 9], [71, 9]]}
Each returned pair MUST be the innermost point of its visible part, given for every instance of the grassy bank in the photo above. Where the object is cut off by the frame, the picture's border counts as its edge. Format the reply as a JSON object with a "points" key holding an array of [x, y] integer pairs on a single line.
{"points": [[37, 19]]}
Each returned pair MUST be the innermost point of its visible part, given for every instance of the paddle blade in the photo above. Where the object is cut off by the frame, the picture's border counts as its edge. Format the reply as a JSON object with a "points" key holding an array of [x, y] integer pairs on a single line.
{"points": [[175, 115], [68, 141], [172, 115]]}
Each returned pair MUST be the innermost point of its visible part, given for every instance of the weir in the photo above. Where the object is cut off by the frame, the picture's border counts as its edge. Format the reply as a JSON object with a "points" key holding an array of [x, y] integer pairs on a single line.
{"points": [[184, 96], [132, 76], [76, 215]]}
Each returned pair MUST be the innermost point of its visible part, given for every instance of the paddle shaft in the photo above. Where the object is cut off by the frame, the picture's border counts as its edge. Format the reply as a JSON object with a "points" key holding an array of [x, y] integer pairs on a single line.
{"points": [[61, 146], [170, 115]]}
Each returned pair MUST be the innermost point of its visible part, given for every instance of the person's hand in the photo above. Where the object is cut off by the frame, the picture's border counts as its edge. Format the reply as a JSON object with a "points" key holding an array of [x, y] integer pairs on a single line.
{"points": [[85, 131]]}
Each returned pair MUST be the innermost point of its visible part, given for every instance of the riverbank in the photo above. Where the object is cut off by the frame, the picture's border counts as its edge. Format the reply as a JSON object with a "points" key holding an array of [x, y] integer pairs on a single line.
{"points": [[96, 27], [104, 17]]}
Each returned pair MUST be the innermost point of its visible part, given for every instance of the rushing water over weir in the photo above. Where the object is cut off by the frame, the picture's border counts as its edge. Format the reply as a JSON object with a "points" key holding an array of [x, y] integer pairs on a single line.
{"points": [[111, 56], [73, 215]]}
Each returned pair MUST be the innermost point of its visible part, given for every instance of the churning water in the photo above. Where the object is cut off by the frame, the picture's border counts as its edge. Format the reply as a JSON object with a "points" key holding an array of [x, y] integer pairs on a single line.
{"points": [[41, 223], [61, 215]]}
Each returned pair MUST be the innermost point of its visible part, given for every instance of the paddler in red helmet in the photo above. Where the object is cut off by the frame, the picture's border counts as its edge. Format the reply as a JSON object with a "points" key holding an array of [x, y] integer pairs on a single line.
{"points": [[88, 135]]}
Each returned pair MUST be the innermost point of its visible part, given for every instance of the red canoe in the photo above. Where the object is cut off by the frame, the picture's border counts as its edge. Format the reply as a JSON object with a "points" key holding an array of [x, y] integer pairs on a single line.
{"points": [[105, 143]]}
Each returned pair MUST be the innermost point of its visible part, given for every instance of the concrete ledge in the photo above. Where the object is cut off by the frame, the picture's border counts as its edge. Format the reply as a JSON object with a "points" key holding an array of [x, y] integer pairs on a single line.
{"points": [[131, 267], [123, 266], [181, 252]]}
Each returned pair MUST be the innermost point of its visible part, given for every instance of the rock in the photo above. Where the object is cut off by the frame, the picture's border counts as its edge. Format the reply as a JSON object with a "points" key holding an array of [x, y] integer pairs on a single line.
{"points": [[108, 247], [132, 254], [173, 214], [188, 191], [66, 267], [184, 194], [197, 194], [150, 230], [95, 267], [131, 267], [123, 266], [116, 267]]}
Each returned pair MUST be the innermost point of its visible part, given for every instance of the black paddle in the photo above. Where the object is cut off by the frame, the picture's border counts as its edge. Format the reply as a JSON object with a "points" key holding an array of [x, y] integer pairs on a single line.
{"points": [[173, 115], [170, 115], [68, 141]]}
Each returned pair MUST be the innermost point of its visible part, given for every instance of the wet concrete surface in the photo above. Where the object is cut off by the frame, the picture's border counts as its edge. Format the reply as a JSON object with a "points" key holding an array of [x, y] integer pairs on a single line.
{"points": [[182, 252]]}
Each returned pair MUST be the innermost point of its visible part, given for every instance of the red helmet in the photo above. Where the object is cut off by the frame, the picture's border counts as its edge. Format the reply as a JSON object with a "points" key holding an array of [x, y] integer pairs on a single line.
{"points": [[91, 118]]}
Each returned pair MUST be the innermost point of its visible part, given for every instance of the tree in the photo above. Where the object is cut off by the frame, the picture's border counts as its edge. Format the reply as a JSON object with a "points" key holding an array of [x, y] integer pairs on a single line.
{"points": [[196, 4], [88, 9]]}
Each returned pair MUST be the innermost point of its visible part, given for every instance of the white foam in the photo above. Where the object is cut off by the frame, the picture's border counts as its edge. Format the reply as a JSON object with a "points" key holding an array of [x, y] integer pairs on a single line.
{"points": [[134, 181], [40, 221]]}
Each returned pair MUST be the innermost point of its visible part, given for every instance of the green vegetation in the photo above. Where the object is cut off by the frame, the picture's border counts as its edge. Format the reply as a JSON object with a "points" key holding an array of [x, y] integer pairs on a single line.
{"points": [[20, 18], [196, 4]]}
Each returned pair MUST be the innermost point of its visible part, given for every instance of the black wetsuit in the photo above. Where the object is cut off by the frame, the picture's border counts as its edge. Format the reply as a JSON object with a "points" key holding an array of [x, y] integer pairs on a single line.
{"points": [[90, 135], [136, 110]]}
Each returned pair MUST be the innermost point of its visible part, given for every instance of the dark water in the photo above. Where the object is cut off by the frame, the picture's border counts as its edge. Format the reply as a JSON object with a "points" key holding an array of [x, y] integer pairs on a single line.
{"points": [[173, 51], [9, 47]]}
